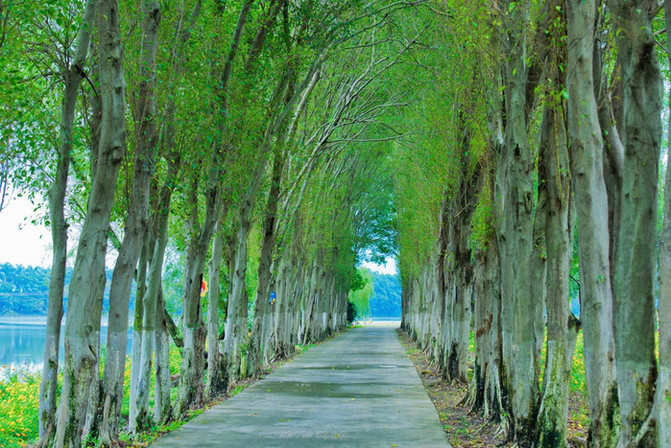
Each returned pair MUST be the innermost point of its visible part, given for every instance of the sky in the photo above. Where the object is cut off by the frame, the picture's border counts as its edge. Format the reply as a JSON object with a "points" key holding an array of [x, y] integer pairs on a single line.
{"points": [[21, 242], [388, 268]]}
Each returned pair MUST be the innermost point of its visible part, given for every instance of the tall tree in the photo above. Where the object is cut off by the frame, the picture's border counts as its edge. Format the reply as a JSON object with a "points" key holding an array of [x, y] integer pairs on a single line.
{"points": [[82, 330], [515, 232], [74, 75], [592, 211], [663, 388], [134, 229], [635, 259]]}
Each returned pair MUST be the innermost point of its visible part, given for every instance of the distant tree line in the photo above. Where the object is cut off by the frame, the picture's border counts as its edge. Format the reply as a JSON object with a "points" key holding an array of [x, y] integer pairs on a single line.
{"points": [[386, 299], [24, 290]]}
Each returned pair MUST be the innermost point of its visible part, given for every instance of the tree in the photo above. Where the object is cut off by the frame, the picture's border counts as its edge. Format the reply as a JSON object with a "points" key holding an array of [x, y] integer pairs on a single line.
{"points": [[82, 330], [361, 292], [640, 130]]}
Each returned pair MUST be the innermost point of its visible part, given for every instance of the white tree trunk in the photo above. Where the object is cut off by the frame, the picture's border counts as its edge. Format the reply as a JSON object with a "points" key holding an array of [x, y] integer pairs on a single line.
{"points": [[73, 77], [216, 375], [562, 325], [663, 389], [592, 209], [82, 331], [515, 234], [134, 232], [635, 264]]}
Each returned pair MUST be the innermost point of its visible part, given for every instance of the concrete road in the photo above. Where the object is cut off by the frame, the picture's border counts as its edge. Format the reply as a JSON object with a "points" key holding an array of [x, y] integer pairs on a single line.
{"points": [[357, 390]]}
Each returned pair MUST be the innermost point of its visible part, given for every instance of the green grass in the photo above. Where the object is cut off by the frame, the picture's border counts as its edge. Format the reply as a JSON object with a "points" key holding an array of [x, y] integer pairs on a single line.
{"points": [[578, 377], [239, 388], [300, 348]]}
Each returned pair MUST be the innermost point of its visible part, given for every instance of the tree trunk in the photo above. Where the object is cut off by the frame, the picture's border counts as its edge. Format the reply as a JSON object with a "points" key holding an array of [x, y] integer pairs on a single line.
{"points": [[236, 314], [262, 303], [463, 272], [562, 325], [191, 385], [136, 354], [216, 374], [539, 267], [159, 222], [442, 279], [488, 394], [140, 419], [152, 315], [592, 210], [134, 231], [515, 236], [663, 389], [635, 264], [82, 331], [73, 78], [162, 406]]}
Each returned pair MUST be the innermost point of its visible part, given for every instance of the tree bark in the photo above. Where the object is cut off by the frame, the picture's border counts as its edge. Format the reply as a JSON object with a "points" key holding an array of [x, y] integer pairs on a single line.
{"points": [[136, 349], [236, 314], [73, 78], [463, 272], [635, 264], [592, 210], [191, 387], [562, 326], [161, 212], [262, 303], [216, 374], [663, 389], [134, 230], [515, 235], [153, 315], [82, 331], [488, 394], [162, 404]]}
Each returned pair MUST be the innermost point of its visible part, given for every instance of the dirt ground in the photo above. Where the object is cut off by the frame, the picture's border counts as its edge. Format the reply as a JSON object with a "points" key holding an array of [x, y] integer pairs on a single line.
{"points": [[466, 430]]}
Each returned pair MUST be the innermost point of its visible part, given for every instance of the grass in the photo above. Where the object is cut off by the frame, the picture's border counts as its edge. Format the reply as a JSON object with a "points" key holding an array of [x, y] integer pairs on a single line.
{"points": [[300, 348]]}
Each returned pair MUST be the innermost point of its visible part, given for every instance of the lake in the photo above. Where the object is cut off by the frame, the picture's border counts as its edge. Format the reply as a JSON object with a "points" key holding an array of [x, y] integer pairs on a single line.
{"points": [[22, 340]]}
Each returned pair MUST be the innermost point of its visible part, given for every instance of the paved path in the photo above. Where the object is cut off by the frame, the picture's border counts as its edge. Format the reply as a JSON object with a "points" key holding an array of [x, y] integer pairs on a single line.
{"points": [[359, 389]]}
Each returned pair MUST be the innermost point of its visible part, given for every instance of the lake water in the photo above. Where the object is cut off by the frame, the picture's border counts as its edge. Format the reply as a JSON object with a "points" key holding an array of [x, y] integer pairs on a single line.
{"points": [[22, 340]]}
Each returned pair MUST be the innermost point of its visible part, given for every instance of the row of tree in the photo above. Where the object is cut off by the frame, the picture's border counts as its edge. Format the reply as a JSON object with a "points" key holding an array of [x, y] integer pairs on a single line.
{"points": [[217, 129], [545, 120]]}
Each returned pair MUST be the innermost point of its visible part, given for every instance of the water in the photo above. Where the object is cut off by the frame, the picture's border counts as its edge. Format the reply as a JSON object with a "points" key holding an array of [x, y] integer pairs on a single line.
{"points": [[379, 321], [22, 341]]}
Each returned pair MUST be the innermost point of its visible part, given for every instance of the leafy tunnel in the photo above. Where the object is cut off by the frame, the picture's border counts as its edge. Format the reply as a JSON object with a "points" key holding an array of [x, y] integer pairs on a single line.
{"points": [[255, 152]]}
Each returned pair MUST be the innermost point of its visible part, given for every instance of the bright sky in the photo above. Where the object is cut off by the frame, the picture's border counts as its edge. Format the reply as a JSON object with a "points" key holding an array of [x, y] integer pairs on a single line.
{"points": [[389, 267], [21, 242]]}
